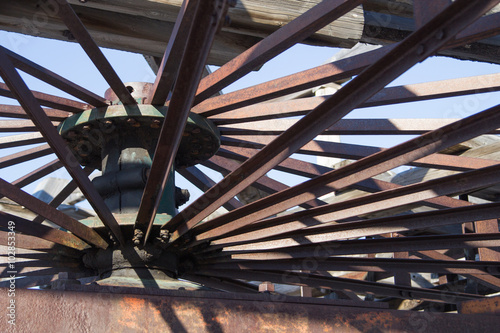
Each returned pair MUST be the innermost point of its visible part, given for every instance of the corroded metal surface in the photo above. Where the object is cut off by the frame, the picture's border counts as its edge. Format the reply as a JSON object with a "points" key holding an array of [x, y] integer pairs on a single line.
{"points": [[72, 311]]}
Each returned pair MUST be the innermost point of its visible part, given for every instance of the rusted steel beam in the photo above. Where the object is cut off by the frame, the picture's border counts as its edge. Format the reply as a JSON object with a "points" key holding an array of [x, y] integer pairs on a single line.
{"points": [[50, 213], [200, 180], [77, 29], [52, 101], [485, 27], [24, 156], [363, 169], [208, 16], [63, 194], [317, 281], [450, 185], [423, 11], [374, 78], [182, 311], [484, 306], [38, 173], [16, 126], [485, 226], [387, 96], [282, 39], [53, 79], [250, 146], [485, 279], [20, 140], [366, 264], [31, 106], [358, 229], [38, 230], [13, 111], [176, 47], [269, 185], [38, 244], [230, 285], [335, 248], [344, 127]]}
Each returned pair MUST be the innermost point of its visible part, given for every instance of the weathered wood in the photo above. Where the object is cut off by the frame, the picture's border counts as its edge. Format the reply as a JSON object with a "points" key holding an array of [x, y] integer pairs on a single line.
{"points": [[144, 26]]}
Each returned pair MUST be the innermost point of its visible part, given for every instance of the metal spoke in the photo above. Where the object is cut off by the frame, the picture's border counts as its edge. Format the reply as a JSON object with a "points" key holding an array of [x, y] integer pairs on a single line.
{"points": [[317, 281], [289, 35], [176, 48], [40, 172], [31, 106], [16, 126], [49, 100], [53, 79], [12, 111], [20, 140], [24, 156], [35, 243], [50, 213], [38, 230], [406, 54], [387, 96], [77, 29], [208, 15]]}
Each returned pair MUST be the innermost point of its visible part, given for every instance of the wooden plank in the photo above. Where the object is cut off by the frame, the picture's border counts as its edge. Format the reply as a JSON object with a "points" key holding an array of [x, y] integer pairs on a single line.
{"points": [[144, 26]]}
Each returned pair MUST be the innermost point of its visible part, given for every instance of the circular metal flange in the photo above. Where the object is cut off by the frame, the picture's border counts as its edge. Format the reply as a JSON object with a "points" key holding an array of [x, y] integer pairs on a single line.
{"points": [[87, 132]]}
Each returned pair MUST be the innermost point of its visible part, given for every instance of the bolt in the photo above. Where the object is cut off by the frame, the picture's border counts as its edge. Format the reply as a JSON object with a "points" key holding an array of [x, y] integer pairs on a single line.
{"points": [[156, 123], [440, 34], [138, 236], [196, 131], [71, 134], [86, 128], [266, 287], [133, 122]]}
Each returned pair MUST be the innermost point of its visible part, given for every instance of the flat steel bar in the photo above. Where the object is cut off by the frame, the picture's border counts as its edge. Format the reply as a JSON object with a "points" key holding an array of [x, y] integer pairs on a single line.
{"points": [[38, 173], [42, 231], [485, 279], [317, 281], [485, 27], [17, 126], [230, 285], [78, 30], [25, 155], [38, 244], [365, 246], [344, 127], [53, 79], [387, 96], [50, 213], [31, 106], [365, 168], [266, 184], [406, 54], [490, 305], [231, 147], [20, 140], [404, 195], [366, 228], [63, 194], [277, 42], [13, 111], [365, 264], [52, 101], [203, 182], [208, 15], [169, 68], [40, 271]]}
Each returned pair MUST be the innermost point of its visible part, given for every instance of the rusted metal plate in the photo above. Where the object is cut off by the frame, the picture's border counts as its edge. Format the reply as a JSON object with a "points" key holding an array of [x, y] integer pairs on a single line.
{"points": [[183, 311], [483, 306]]}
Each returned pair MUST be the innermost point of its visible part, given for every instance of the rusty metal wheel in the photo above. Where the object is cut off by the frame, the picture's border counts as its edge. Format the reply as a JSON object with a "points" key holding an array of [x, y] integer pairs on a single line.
{"points": [[342, 233]]}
